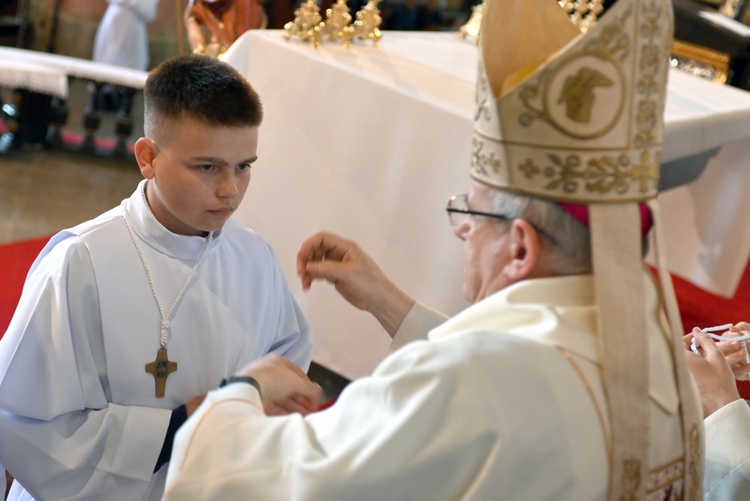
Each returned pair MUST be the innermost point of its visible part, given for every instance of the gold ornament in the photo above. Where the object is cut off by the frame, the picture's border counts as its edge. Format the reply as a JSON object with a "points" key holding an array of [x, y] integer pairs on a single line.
{"points": [[731, 8], [337, 21], [470, 30], [309, 27], [367, 25], [306, 24], [583, 13]]}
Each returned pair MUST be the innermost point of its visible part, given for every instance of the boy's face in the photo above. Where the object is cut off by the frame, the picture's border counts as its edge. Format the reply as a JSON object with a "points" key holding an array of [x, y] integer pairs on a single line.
{"points": [[197, 174]]}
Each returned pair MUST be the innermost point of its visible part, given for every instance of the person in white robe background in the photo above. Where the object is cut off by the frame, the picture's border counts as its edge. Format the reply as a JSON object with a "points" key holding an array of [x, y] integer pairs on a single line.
{"points": [[512, 398], [122, 36], [122, 40], [89, 396]]}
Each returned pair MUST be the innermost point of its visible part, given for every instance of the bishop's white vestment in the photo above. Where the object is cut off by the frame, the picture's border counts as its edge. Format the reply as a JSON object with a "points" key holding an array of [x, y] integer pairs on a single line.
{"points": [[79, 418], [503, 401], [728, 453]]}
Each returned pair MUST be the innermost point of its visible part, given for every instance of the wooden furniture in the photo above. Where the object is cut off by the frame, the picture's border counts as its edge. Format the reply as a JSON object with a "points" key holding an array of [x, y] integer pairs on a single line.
{"points": [[701, 25], [14, 23]]}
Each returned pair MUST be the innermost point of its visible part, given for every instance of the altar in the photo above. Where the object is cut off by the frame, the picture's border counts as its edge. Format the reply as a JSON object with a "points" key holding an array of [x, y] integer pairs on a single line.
{"points": [[370, 144]]}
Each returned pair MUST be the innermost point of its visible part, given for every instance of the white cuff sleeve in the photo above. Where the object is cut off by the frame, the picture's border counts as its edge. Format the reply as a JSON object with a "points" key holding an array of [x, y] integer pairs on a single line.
{"points": [[728, 452], [420, 320]]}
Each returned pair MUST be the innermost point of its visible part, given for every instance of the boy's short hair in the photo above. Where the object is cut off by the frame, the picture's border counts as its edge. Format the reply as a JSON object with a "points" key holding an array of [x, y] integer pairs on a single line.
{"points": [[200, 88]]}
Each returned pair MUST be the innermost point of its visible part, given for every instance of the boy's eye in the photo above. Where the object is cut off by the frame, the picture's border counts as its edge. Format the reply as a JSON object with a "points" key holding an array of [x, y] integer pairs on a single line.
{"points": [[244, 167], [206, 167]]}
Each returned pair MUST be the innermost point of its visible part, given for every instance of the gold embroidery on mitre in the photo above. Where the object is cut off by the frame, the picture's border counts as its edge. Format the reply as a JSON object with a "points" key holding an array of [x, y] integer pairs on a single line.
{"points": [[565, 80], [647, 172], [483, 159], [578, 93], [482, 101], [602, 55], [603, 174], [587, 126]]}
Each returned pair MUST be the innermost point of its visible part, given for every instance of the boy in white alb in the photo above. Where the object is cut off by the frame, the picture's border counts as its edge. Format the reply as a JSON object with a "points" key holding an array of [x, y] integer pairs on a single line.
{"points": [[127, 320]]}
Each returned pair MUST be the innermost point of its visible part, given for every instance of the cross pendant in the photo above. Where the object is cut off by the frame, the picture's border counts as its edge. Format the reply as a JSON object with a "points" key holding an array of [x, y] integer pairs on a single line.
{"points": [[161, 368]]}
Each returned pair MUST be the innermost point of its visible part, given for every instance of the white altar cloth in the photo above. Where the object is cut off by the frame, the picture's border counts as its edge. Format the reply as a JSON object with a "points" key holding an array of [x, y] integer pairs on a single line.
{"points": [[14, 59], [370, 143]]}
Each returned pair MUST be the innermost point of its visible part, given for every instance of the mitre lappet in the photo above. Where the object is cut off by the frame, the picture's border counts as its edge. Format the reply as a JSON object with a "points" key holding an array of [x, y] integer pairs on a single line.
{"points": [[578, 118]]}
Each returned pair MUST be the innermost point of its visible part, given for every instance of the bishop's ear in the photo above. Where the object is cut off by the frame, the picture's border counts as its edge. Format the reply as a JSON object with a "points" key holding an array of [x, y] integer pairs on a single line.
{"points": [[145, 152], [525, 250]]}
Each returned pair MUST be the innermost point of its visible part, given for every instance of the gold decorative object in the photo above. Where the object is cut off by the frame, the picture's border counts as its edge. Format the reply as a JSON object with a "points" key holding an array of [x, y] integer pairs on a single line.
{"points": [[731, 8], [306, 24], [367, 25], [583, 13], [700, 61], [695, 59], [337, 21], [470, 30]]}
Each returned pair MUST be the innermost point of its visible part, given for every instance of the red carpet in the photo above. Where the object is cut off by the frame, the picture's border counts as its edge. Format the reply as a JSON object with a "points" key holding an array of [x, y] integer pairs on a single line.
{"points": [[16, 257], [73, 139]]}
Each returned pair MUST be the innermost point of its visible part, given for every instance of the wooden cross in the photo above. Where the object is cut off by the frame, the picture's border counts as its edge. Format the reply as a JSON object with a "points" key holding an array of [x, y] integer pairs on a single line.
{"points": [[161, 368]]}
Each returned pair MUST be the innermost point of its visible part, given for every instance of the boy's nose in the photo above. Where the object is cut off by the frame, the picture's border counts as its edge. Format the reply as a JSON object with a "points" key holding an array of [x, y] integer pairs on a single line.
{"points": [[228, 187]]}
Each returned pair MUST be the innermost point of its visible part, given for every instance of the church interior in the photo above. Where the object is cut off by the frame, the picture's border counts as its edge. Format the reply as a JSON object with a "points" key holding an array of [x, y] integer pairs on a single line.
{"points": [[366, 137], [367, 131]]}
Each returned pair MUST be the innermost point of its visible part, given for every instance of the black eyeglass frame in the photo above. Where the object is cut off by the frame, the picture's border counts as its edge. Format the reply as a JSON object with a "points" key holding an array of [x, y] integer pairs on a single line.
{"points": [[470, 212]]}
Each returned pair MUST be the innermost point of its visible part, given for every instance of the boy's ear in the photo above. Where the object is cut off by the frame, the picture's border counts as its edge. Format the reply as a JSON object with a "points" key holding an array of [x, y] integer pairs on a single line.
{"points": [[145, 151]]}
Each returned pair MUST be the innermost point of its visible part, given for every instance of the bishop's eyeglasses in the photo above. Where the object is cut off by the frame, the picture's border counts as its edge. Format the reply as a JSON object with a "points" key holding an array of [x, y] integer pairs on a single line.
{"points": [[458, 211]]}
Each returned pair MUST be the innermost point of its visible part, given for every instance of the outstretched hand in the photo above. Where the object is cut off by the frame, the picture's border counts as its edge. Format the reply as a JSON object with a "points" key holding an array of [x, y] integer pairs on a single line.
{"points": [[355, 275], [285, 388], [711, 372]]}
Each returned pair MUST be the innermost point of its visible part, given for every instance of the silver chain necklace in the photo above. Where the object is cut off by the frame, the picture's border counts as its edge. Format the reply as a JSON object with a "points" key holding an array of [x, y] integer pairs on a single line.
{"points": [[161, 367]]}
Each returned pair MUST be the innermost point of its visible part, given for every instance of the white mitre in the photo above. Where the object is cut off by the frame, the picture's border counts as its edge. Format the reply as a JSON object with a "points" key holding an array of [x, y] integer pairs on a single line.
{"points": [[579, 118], [586, 122]]}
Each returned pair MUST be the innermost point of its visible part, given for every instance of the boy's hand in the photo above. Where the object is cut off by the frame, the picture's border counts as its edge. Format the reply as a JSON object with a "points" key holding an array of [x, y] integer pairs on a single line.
{"points": [[284, 387]]}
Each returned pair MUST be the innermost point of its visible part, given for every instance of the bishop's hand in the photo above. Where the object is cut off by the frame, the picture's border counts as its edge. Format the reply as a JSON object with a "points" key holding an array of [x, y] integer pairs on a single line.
{"points": [[735, 352], [711, 372], [356, 276]]}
